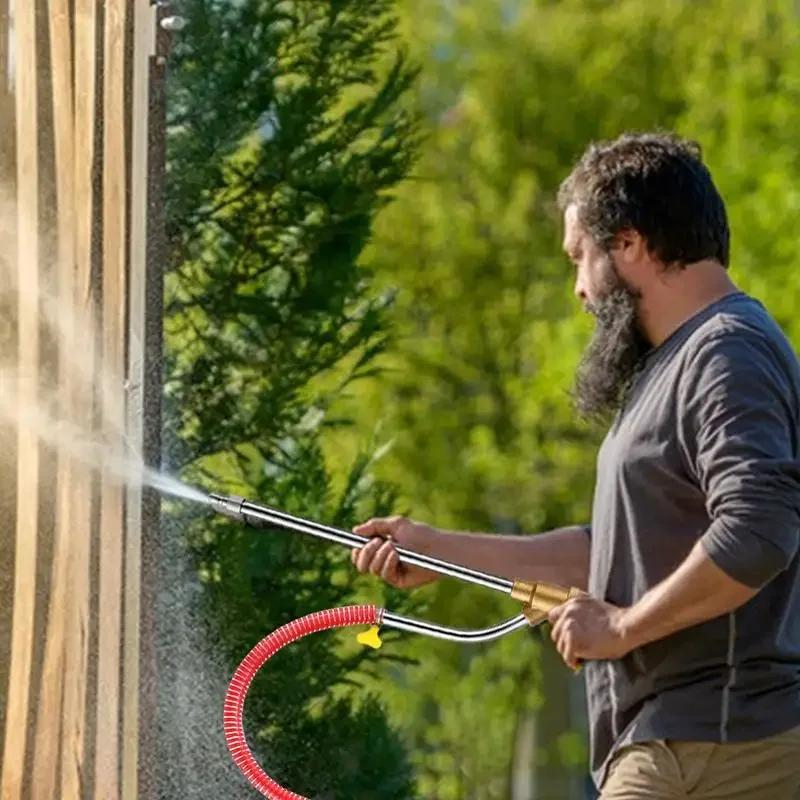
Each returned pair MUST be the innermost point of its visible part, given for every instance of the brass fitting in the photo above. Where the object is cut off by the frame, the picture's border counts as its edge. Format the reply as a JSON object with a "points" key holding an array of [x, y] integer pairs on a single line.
{"points": [[539, 599]]}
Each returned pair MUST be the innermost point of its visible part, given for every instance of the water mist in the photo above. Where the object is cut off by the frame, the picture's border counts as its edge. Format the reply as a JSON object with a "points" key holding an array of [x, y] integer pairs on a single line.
{"points": [[89, 450], [89, 436], [109, 454]]}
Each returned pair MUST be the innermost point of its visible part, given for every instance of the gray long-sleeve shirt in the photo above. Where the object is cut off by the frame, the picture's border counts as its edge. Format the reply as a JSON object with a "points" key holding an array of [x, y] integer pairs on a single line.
{"points": [[707, 448]]}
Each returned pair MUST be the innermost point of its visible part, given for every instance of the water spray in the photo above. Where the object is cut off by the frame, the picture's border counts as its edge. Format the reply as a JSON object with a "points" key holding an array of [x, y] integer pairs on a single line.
{"points": [[537, 599]]}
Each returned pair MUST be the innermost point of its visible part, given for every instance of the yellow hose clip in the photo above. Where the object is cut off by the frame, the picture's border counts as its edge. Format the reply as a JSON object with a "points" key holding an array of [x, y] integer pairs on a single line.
{"points": [[370, 638]]}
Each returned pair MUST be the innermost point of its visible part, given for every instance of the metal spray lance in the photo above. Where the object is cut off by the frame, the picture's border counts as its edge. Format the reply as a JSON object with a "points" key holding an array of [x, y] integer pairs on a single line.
{"points": [[537, 599]]}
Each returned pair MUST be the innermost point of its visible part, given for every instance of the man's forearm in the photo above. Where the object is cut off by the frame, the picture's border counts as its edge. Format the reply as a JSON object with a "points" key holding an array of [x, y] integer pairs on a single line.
{"points": [[560, 556], [696, 592]]}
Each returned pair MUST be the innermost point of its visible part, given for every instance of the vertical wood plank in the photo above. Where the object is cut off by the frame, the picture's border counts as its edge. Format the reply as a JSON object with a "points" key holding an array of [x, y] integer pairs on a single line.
{"points": [[8, 300], [48, 364], [143, 51], [107, 744], [15, 740], [4, 42], [77, 628], [48, 725], [148, 329], [7, 114]]}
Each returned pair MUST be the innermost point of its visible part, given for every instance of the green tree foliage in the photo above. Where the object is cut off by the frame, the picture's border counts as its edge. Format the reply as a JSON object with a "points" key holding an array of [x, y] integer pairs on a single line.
{"points": [[284, 140], [475, 394], [742, 104]]}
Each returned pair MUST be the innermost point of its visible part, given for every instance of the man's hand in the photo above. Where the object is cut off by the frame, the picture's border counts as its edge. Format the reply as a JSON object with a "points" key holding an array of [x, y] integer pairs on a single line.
{"points": [[380, 557], [586, 628]]}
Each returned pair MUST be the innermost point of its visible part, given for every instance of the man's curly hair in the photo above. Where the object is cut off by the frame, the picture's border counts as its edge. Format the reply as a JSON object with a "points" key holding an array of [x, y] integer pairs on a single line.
{"points": [[655, 184]]}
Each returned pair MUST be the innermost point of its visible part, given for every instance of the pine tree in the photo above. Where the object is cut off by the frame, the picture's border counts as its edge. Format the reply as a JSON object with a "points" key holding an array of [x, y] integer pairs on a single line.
{"points": [[287, 129]]}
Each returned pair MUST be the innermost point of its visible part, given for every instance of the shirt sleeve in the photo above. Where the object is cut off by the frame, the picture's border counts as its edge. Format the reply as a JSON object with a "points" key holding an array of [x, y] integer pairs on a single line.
{"points": [[738, 432]]}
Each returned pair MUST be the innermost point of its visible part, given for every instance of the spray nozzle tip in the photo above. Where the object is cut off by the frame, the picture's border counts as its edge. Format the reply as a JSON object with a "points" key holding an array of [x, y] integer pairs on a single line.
{"points": [[227, 506]]}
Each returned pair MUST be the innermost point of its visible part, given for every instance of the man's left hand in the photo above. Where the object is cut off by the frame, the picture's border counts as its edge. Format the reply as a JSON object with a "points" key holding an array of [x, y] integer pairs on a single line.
{"points": [[586, 628]]}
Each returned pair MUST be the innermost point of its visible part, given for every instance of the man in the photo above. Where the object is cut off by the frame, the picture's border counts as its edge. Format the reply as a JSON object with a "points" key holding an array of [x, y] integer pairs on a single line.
{"points": [[690, 632]]}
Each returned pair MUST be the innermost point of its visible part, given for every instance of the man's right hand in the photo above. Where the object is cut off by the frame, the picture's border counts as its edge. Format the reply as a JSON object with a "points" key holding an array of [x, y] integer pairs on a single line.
{"points": [[379, 555]]}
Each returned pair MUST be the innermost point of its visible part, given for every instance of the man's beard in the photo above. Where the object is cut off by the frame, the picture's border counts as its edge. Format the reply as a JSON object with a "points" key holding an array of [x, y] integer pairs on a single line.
{"points": [[613, 356]]}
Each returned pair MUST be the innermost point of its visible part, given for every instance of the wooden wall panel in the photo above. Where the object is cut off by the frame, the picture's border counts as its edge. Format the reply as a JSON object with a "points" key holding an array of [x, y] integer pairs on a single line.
{"points": [[142, 53], [25, 562], [8, 347], [48, 724], [5, 15], [151, 46], [76, 629], [112, 408], [74, 671]]}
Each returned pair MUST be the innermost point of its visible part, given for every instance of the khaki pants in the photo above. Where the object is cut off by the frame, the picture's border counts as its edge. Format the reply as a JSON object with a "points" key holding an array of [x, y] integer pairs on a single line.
{"points": [[768, 769]]}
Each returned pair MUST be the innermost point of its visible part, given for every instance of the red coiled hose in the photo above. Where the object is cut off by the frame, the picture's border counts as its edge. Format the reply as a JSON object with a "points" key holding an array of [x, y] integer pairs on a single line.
{"points": [[243, 677]]}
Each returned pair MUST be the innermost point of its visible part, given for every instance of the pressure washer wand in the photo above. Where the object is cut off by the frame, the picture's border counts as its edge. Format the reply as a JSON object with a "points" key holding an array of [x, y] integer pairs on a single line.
{"points": [[260, 516], [537, 598]]}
